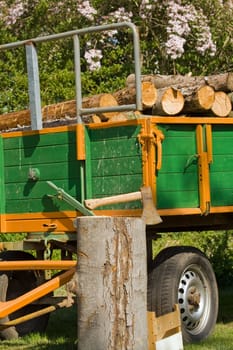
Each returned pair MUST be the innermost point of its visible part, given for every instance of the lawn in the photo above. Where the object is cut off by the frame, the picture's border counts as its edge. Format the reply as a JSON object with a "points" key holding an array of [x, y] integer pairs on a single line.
{"points": [[61, 332], [60, 335], [222, 338]]}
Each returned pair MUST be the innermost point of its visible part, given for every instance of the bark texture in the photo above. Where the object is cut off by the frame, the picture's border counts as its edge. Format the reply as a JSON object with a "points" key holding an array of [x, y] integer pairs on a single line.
{"points": [[218, 82], [112, 284]]}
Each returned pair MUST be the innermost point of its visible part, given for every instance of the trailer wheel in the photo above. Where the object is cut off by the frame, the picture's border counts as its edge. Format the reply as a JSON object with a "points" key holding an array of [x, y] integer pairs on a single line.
{"points": [[184, 276], [14, 284]]}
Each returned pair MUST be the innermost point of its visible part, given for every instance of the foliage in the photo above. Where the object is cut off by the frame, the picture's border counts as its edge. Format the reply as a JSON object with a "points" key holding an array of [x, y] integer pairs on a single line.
{"points": [[177, 36], [12, 237], [217, 245]]}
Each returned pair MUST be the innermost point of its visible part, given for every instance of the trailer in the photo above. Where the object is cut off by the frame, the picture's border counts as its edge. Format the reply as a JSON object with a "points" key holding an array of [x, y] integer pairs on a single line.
{"points": [[174, 172]]}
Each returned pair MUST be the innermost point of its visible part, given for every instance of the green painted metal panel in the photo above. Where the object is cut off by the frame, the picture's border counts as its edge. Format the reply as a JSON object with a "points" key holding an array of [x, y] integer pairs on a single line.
{"points": [[178, 163], [2, 188], [44, 204], [55, 170], [36, 189], [109, 186], [54, 154], [177, 180], [39, 155], [114, 165], [35, 140], [221, 170]]}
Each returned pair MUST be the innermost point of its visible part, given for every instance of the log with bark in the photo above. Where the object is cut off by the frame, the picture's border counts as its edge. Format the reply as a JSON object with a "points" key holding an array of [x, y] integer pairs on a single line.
{"points": [[198, 100], [198, 92], [128, 95], [230, 95], [101, 100], [52, 112], [63, 110], [169, 102], [223, 81], [118, 116], [113, 314], [184, 94]]}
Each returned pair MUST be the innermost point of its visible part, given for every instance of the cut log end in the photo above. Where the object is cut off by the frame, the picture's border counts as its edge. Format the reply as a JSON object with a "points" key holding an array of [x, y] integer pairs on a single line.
{"points": [[107, 100], [206, 97], [222, 104], [128, 95], [172, 101], [149, 94]]}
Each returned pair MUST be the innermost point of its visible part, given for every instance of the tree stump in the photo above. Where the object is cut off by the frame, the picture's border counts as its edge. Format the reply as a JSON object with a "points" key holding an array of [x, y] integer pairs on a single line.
{"points": [[112, 284]]}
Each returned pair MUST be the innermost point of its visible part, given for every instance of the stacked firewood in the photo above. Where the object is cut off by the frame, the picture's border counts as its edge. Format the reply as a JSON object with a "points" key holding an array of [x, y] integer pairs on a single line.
{"points": [[191, 95], [162, 95]]}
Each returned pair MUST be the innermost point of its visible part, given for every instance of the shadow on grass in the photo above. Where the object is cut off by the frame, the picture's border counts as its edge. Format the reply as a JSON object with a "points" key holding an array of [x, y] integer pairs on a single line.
{"points": [[62, 325], [61, 334]]}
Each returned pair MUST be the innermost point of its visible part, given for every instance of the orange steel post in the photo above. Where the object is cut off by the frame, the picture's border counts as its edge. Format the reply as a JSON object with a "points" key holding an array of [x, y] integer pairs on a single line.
{"points": [[203, 168], [147, 138], [209, 145], [80, 134]]}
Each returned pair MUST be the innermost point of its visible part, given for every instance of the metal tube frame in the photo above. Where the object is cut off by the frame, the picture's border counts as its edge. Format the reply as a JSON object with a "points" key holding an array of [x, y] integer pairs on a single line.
{"points": [[33, 71]]}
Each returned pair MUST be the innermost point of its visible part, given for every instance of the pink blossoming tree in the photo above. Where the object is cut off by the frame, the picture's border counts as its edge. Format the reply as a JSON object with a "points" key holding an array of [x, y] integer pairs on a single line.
{"points": [[177, 36]]}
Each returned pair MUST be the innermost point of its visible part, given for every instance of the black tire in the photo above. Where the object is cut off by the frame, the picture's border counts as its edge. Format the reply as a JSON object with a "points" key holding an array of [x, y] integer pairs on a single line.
{"points": [[17, 283], [184, 276]]}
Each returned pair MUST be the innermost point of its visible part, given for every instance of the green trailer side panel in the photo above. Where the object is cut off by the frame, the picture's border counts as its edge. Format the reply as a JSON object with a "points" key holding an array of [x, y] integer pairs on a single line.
{"points": [[221, 170], [2, 188], [32, 141], [49, 171], [54, 154], [177, 180], [114, 164]]}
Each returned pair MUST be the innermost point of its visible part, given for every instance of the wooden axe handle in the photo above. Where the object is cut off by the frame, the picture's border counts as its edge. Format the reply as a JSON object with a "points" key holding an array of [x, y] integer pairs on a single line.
{"points": [[121, 198]]}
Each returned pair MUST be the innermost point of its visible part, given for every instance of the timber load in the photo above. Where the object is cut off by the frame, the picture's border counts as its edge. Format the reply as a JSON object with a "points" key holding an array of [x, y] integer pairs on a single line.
{"points": [[162, 95], [191, 95]]}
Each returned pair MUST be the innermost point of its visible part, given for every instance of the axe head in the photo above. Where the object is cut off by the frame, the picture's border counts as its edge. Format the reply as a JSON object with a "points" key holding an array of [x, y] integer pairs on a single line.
{"points": [[149, 213]]}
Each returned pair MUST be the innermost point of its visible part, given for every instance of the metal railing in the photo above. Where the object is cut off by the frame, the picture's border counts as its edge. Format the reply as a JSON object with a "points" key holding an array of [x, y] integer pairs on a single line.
{"points": [[33, 70]]}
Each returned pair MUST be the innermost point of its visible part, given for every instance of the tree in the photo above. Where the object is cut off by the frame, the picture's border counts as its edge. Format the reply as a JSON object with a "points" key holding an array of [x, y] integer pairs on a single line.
{"points": [[177, 36]]}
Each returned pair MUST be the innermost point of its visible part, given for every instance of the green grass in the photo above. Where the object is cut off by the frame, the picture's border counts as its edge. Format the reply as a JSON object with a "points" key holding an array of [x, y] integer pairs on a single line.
{"points": [[222, 337], [61, 334], [62, 331]]}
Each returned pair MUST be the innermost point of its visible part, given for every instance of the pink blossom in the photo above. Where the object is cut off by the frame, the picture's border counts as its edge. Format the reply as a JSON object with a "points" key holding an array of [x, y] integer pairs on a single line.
{"points": [[184, 22], [145, 9], [121, 15], [175, 46], [93, 57], [14, 12], [86, 10]]}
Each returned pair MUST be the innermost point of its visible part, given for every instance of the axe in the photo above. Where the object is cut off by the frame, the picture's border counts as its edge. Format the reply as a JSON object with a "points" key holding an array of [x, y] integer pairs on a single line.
{"points": [[149, 212]]}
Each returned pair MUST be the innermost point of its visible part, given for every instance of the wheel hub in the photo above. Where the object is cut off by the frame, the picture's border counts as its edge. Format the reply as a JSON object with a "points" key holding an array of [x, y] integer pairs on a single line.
{"points": [[191, 298]]}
